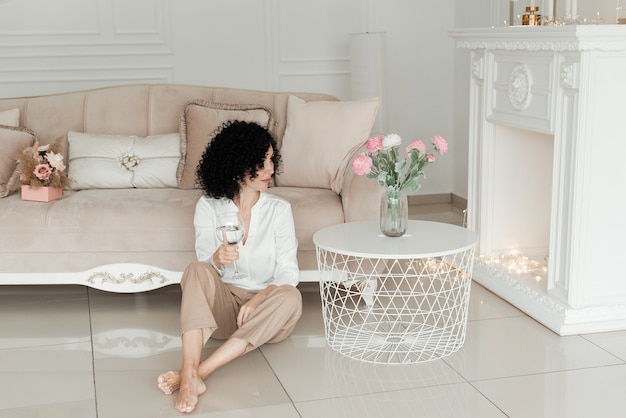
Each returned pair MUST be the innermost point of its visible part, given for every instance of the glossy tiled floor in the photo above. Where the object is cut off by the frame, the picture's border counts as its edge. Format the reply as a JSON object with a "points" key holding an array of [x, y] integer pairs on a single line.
{"points": [[68, 351]]}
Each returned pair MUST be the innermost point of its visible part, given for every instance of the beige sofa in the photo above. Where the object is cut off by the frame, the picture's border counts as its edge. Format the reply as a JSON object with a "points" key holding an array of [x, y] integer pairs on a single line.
{"points": [[130, 239]]}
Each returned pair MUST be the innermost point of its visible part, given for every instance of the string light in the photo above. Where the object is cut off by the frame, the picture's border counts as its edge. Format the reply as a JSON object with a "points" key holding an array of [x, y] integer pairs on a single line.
{"points": [[518, 264]]}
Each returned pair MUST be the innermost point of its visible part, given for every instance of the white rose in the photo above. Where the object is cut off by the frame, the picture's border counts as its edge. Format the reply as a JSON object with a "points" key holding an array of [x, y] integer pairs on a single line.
{"points": [[55, 160], [391, 140]]}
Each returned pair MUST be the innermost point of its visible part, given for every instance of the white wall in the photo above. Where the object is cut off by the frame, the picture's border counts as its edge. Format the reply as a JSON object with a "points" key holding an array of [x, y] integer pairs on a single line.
{"points": [[284, 45], [592, 9], [420, 70]]}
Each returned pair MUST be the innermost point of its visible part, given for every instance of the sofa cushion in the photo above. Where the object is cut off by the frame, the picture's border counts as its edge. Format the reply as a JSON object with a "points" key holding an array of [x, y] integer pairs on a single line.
{"points": [[120, 161], [13, 140], [320, 138], [125, 229], [118, 225], [10, 117], [312, 210], [199, 122]]}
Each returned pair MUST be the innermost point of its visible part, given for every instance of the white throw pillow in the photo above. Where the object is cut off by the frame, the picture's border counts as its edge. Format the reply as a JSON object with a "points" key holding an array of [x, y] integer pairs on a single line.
{"points": [[10, 117], [320, 138], [121, 161]]}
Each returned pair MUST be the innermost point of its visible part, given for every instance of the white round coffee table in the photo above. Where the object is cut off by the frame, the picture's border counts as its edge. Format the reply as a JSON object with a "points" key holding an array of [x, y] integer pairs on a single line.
{"points": [[395, 300]]}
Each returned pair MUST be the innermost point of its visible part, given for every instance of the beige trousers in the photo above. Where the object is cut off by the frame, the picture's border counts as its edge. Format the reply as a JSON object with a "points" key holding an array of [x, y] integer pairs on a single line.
{"points": [[212, 306]]}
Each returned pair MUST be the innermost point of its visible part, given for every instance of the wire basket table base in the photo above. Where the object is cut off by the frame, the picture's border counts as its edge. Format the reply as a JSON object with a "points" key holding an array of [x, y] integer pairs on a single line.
{"points": [[395, 311]]}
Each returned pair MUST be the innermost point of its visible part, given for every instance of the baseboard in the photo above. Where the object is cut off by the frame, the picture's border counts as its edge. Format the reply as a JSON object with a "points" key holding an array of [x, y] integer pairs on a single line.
{"points": [[459, 202], [429, 199], [433, 199]]}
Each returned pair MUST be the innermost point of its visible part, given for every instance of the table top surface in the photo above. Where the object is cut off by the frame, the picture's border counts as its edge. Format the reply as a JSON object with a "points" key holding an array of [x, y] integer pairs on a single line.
{"points": [[422, 239]]}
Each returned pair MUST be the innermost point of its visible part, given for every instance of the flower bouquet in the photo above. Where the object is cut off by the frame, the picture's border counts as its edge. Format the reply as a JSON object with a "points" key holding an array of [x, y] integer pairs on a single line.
{"points": [[42, 172], [396, 174]]}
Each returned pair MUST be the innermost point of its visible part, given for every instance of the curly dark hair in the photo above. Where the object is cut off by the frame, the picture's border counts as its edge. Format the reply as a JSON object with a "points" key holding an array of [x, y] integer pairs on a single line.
{"points": [[238, 149]]}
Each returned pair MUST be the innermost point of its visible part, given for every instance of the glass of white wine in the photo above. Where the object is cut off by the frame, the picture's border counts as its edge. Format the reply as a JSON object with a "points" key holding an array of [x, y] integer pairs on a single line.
{"points": [[230, 230]]}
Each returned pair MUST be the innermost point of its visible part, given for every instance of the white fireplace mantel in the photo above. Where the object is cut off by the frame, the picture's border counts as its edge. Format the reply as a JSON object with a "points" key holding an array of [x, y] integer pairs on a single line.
{"points": [[544, 38], [547, 170]]}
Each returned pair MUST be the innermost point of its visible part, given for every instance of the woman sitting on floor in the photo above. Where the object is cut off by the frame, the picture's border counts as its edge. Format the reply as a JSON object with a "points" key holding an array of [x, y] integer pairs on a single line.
{"points": [[264, 306]]}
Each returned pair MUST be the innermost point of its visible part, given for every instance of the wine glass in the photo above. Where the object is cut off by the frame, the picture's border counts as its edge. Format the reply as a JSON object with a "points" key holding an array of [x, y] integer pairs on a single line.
{"points": [[230, 231]]}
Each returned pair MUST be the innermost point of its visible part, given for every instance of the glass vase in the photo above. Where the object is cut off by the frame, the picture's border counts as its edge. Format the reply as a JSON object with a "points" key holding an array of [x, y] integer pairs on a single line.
{"points": [[394, 213]]}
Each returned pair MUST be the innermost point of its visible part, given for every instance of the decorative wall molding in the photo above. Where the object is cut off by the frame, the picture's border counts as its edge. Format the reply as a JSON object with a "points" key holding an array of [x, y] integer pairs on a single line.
{"points": [[484, 269], [569, 79], [107, 35], [314, 67], [72, 73], [478, 67], [322, 73], [532, 45], [110, 43], [68, 49], [519, 87], [17, 83], [322, 65], [544, 38], [518, 45]]}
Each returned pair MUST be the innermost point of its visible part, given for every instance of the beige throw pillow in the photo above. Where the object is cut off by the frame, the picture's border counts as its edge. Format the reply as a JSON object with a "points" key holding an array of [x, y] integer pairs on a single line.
{"points": [[13, 141], [199, 123], [121, 161], [320, 138], [10, 117]]}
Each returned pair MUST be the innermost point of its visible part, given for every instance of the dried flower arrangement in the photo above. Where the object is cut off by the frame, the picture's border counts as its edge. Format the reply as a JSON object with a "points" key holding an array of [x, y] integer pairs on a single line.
{"points": [[42, 166]]}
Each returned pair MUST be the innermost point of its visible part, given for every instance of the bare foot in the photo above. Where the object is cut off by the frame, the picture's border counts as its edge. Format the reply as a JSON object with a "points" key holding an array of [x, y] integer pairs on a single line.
{"points": [[190, 388], [169, 382]]}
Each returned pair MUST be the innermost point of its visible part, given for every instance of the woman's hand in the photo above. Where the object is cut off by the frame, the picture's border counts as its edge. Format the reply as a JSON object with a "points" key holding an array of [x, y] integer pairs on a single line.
{"points": [[225, 254], [247, 308]]}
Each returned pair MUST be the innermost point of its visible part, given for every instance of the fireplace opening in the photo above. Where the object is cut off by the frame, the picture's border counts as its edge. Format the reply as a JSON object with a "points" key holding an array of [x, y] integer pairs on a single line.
{"points": [[518, 214]]}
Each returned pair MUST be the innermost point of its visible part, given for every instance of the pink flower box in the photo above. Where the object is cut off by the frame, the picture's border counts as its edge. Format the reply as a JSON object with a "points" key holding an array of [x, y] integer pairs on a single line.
{"points": [[41, 194]]}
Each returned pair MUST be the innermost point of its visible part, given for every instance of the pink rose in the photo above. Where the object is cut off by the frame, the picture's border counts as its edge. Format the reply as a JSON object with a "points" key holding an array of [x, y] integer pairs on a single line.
{"points": [[417, 145], [374, 144], [42, 171], [431, 158], [441, 145], [362, 164]]}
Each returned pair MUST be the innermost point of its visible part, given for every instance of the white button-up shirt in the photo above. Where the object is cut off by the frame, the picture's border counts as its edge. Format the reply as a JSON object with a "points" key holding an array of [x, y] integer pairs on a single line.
{"points": [[269, 254]]}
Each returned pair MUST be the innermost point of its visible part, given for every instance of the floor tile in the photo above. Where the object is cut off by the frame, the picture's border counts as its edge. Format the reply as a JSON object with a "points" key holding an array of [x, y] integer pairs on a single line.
{"points": [[309, 370], [47, 376], [137, 302], [593, 392], [273, 411], [613, 342], [77, 409], [518, 346], [138, 328], [446, 401], [70, 351], [127, 387], [17, 295], [486, 305], [311, 322], [50, 320]]}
